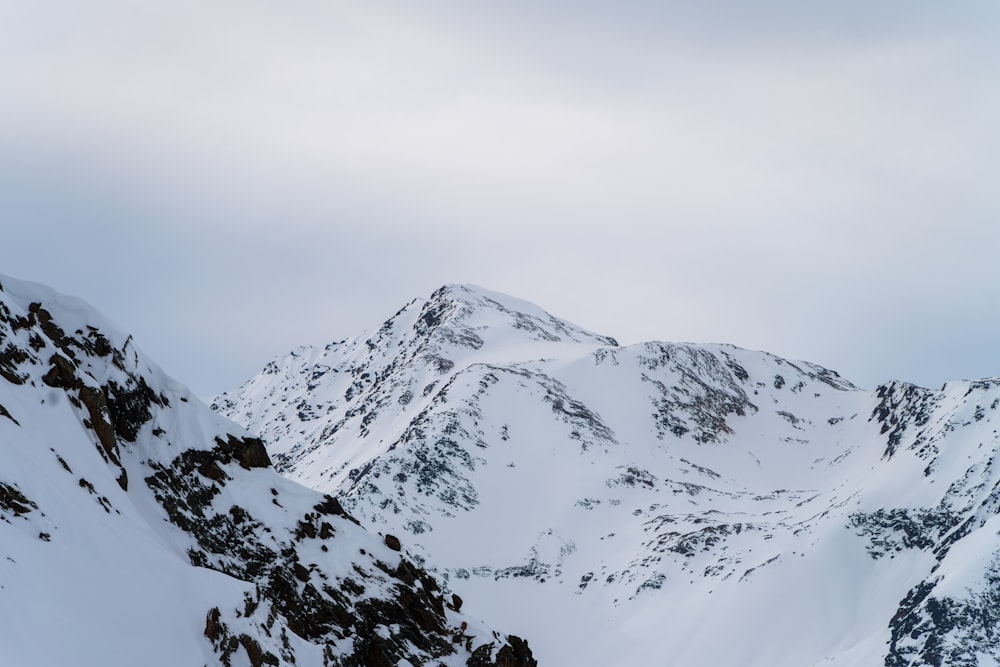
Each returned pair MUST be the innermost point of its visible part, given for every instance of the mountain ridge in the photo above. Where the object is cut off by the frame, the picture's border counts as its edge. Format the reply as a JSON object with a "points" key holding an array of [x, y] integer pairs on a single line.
{"points": [[595, 482], [139, 527]]}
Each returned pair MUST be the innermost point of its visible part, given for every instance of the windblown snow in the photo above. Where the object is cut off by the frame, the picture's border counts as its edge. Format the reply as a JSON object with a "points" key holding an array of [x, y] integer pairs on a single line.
{"points": [[138, 527], [657, 503]]}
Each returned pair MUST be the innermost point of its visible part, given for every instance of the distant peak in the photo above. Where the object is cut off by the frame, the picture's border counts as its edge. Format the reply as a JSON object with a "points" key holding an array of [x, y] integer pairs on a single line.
{"points": [[472, 305]]}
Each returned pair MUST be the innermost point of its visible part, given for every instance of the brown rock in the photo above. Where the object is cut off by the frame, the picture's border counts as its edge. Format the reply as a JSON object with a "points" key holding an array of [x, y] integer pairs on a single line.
{"points": [[212, 627], [253, 454], [515, 654], [97, 407], [62, 374]]}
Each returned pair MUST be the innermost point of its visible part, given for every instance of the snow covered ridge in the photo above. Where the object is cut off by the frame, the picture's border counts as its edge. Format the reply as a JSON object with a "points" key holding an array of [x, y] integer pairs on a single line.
{"points": [[657, 503], [137, 527]]}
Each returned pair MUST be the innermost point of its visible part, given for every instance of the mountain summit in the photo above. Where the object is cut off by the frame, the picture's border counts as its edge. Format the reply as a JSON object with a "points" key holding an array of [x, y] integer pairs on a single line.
{"points": [[654, 503], [468, 309], [341, 388]]}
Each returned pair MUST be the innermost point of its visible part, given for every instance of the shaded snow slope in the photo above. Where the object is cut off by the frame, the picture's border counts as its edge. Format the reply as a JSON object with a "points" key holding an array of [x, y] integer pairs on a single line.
{"points": [[713, 505], [138, 527]]}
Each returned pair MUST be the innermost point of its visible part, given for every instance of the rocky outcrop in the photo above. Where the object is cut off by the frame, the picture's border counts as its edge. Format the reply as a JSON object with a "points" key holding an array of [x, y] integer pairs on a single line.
{"points": [[405, 620], [317, 583], [14, 502], [514, 654]]}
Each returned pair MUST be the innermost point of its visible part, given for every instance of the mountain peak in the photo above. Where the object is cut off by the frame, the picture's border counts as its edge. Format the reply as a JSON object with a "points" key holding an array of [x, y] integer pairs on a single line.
{"points": [[471, 308], [632, 498]]}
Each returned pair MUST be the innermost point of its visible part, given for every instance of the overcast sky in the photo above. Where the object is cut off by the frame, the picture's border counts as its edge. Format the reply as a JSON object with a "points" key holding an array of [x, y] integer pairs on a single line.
{"points": [[230, 179]]}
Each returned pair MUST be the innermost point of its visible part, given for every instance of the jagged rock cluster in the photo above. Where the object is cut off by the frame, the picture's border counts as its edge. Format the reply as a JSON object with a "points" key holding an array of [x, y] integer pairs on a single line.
{"points": [[103, 454]]}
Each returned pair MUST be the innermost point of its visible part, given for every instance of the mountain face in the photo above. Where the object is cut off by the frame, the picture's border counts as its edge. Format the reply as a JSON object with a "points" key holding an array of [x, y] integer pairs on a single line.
{"points": [[137, 527], [657, 503]]}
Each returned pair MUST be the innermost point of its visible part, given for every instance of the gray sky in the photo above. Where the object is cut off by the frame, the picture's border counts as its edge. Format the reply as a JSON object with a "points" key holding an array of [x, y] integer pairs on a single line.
{"points": [[231, 179]]}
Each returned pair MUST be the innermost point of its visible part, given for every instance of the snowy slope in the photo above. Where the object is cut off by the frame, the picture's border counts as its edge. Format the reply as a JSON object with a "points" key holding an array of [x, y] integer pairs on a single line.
{"points": [[657, 503], [137, 527]]}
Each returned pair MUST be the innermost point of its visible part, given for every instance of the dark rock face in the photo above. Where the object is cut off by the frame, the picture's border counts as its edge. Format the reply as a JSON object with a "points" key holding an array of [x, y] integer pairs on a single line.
{"points": [[249, 452], [227, 644], [129, 406], [114, 411], [312, 603], [514, 654], [13, 501], [10, 358], [706, 392], [305, 574], [931, 630], [6, 413], [62, 375], [904, 408], [891, 531]]}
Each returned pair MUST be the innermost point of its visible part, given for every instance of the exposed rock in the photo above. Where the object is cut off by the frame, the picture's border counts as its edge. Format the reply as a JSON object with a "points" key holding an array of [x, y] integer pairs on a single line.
{"points": [[249, 452], [234, 542], [227, 644], [515, 654], [5, 413], [11, 357], [891, 531], [903, 409], [213, 629], [44, 319], [12, 500], [62, 374], [707, 391], [294, 552], [97, 408]]}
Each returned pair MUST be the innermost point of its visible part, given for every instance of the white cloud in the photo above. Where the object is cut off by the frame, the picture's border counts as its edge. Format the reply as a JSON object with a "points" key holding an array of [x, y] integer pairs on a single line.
{"points": [[779, 178]]}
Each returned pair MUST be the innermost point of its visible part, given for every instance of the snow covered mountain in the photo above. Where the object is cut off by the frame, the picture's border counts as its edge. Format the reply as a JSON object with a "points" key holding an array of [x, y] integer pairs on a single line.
{"points": [[656, 503], [138, 527]]}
